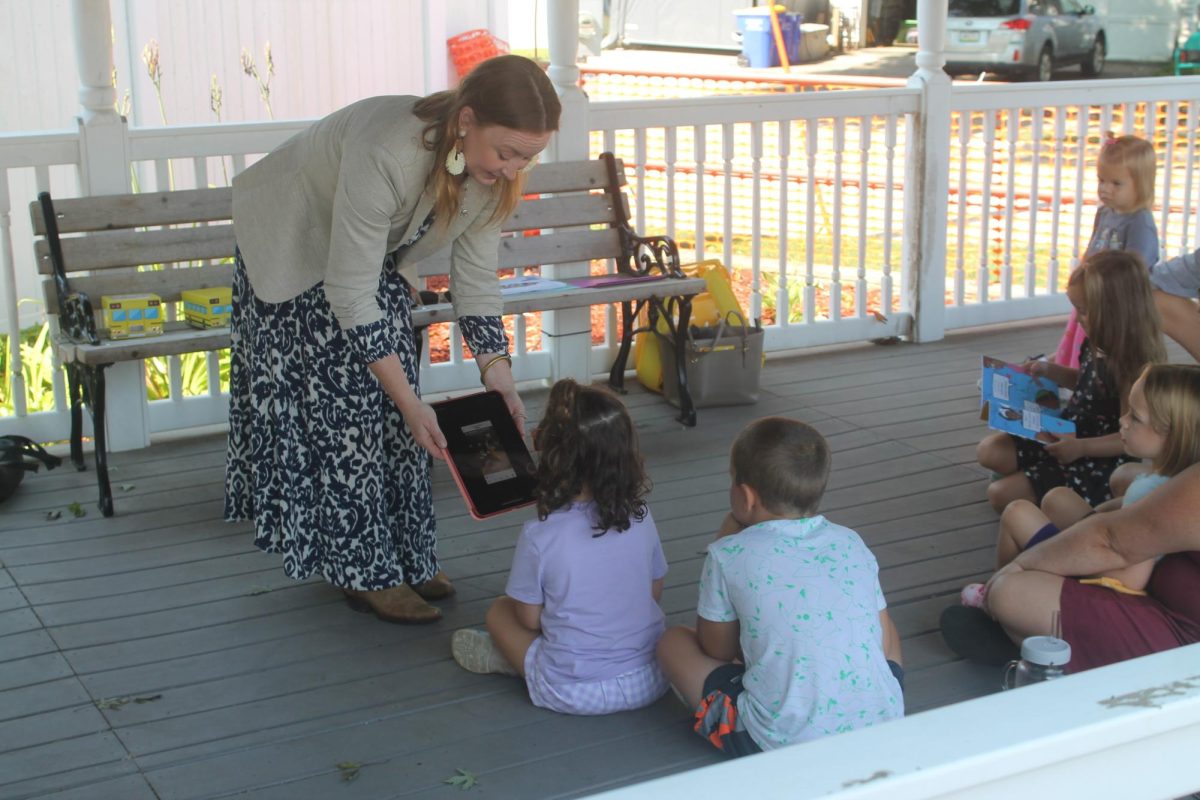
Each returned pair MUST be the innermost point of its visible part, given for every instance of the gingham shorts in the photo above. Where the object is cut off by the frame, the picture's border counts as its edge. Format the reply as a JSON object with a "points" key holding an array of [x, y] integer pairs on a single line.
{"points": [[634, 689]]}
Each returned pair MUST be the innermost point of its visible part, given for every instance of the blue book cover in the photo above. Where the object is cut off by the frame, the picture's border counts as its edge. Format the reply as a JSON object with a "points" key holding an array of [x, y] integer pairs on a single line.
{"points": [[1013, 401]]}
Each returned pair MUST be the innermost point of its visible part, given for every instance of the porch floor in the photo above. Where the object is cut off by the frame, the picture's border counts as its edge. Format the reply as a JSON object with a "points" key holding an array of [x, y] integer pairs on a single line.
{"points": [[158, 654]]}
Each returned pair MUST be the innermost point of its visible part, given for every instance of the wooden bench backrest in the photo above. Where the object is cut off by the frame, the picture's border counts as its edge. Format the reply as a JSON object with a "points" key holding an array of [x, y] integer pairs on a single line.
{"points": [[113, 236]]}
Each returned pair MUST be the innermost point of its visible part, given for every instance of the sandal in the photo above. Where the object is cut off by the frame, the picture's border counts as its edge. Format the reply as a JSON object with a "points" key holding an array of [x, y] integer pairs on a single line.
{"points": [[476, 652]]}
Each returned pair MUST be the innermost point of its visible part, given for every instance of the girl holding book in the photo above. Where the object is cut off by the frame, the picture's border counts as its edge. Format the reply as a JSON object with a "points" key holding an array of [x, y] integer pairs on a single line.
{"points": [[1112, 297]]}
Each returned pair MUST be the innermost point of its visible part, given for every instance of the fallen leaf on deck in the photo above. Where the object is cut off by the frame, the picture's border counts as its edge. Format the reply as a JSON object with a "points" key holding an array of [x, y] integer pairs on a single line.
{"points": [[53, 515], [463, 780], [77, 510], [349, 769], [114, 703]]}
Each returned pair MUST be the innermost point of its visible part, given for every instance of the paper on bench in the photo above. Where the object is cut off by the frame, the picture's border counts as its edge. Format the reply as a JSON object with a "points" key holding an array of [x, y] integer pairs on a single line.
{"points": [[527, 284]]}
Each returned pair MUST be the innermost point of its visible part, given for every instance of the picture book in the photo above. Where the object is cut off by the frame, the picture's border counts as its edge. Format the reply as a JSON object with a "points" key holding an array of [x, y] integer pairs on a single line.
{"points": [[1013, 401]]}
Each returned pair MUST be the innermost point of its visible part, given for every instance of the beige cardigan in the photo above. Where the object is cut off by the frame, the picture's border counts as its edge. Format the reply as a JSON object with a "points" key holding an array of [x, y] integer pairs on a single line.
{"points": [[332, 201]]}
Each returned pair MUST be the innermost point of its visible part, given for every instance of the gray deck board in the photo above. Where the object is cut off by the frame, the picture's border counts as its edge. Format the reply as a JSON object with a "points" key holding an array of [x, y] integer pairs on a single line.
{"points": [[263, 684]]}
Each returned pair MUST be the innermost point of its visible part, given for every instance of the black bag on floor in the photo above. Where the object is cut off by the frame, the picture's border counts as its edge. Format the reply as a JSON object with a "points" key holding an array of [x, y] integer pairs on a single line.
{"points": [[19, 455]]}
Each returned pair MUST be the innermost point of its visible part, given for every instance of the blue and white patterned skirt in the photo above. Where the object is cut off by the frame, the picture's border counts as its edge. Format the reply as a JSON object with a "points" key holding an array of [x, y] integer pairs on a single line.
{"points": [[319, 456]]}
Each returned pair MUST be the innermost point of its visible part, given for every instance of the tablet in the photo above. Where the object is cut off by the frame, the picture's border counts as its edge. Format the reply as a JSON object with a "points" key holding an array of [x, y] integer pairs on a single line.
{"points": [[488, 458]]}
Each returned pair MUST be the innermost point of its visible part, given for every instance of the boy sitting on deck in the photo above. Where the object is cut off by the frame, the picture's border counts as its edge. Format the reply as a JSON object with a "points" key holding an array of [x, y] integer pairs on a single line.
{"points": [[792, 639]]}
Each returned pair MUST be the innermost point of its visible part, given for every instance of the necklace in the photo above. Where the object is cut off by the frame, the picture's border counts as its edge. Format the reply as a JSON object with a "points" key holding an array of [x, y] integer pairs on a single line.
{"points": [[462, 201]]}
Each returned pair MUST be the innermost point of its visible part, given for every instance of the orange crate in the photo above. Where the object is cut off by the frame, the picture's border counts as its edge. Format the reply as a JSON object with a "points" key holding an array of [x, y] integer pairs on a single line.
{"points": [[469, 48]]}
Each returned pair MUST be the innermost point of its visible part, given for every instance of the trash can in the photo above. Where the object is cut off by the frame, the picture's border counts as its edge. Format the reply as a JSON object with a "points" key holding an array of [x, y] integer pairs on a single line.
{"points": [[758, 40]]}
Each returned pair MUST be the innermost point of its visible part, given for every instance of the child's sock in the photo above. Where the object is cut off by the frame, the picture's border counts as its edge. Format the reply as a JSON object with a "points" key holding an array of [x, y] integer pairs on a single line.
{"points": [[475, 652], [973, 595]]}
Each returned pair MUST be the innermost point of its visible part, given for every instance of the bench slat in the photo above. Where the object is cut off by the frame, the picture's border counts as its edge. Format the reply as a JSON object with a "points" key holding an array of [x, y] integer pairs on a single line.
{"points": [[129, 248], [571, 176], [563, 211], [171, 343], [561, 247], [110, 212], [167, 283]]}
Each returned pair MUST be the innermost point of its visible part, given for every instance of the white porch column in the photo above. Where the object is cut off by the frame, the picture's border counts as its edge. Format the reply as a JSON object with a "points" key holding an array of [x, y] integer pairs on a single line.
{"points": [[569, 333], [104, 168], [927, 179]]}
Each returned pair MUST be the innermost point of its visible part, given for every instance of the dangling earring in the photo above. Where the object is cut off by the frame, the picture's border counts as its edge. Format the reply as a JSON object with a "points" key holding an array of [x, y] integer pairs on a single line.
{"points": [[456, 162]]}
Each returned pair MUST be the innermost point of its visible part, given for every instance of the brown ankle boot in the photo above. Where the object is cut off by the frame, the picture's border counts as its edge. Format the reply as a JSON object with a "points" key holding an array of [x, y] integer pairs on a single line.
{"points": [[399, 604], [438, 587]]}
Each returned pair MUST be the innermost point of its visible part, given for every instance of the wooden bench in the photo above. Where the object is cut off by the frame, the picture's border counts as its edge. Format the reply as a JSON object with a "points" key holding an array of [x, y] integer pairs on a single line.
{"points": [[168, 242]]}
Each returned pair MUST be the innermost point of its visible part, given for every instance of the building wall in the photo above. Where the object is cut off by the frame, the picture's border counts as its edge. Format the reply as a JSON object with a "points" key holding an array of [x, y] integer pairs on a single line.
{"points": [[1143, 30], [327, 53]]}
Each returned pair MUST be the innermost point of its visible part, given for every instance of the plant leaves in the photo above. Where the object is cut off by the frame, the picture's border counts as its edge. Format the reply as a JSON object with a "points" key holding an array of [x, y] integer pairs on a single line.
{"points": [[53, 515], [77, 510], [349, 769], [462, 779]]}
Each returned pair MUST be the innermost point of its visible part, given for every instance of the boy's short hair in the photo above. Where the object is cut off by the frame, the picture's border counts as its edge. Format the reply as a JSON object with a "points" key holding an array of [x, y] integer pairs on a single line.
{"points": [[785, 461]]}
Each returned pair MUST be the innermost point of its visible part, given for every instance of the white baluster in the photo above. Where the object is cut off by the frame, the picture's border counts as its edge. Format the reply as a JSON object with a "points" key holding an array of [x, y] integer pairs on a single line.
{"points": [[835, 277], [964, 157], [1014, 132], [727, 147], [1031, 269], [756, 151], [864, 180], [1060, 144], [889, 187], [783, 306], [811, 142], [983, 276], [11, 312], [1166, 174], [671, 154], [699, 156]]}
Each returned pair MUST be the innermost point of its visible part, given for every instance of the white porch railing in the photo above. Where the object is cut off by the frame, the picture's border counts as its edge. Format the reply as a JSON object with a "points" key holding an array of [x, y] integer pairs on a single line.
{"points": [[1129, 730], [802, 195]]}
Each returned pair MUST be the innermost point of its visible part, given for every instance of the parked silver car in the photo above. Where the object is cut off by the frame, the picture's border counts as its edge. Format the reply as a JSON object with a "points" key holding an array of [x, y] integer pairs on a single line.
{"points": [[1030, 38]]}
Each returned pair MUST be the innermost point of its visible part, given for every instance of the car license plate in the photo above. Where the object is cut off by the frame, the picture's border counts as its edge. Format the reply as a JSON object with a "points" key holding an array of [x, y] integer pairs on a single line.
{"points": [[968, 36]]}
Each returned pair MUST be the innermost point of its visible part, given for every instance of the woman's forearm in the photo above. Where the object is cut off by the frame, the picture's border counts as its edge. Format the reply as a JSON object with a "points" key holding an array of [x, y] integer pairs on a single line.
{"points": [[1085, 548], [390, 374]]}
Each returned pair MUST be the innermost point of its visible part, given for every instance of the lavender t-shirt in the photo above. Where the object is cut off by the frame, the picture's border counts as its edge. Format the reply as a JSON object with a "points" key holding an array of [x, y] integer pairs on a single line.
{"points": [[599, 619]]}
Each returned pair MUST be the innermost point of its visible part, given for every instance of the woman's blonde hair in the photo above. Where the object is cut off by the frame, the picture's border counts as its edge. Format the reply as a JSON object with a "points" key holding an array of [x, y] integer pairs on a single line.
{"points": [[510, 91], [1137, 155], [1122, 321], [1173, 395]]}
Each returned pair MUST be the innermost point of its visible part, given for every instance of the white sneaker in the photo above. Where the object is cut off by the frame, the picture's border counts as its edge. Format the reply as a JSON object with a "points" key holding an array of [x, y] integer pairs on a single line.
{"points": [[475, 652]]}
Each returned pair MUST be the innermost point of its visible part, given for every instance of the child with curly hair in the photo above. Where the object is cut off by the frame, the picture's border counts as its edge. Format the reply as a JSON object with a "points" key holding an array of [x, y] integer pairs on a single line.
{"points": [[580, 618]]}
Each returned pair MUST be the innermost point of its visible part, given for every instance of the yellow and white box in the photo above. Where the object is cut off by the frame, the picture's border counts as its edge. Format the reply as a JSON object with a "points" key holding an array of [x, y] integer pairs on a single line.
{"points": [[207, 308], [131, 316]]}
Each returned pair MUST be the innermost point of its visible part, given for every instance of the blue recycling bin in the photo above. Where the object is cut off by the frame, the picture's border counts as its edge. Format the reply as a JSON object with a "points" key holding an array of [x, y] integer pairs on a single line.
{"points": [[758, 40]]}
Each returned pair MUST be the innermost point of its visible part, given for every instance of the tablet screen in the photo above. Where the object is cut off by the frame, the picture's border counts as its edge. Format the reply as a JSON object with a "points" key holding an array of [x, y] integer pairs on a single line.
{"points": [[486, 454]]}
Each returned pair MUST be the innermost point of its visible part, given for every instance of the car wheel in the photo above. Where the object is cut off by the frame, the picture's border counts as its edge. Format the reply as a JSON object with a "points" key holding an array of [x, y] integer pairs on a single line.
{"points": [[1093, 65], [1044, 70]]}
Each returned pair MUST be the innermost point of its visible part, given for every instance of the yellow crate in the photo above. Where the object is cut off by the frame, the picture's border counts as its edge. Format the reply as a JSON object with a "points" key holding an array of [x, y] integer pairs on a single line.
{"points": [[132, 316], [207, 308]]}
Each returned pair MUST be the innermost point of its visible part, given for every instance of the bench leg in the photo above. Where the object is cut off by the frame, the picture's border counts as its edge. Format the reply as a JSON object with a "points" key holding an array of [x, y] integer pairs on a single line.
{"points": [[616, 376], [75, 398], [93, 390], [687, 411]]}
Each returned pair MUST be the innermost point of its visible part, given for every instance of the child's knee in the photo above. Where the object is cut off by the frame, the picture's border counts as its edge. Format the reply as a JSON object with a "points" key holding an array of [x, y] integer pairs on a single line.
{"points": [[995, 451]]}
